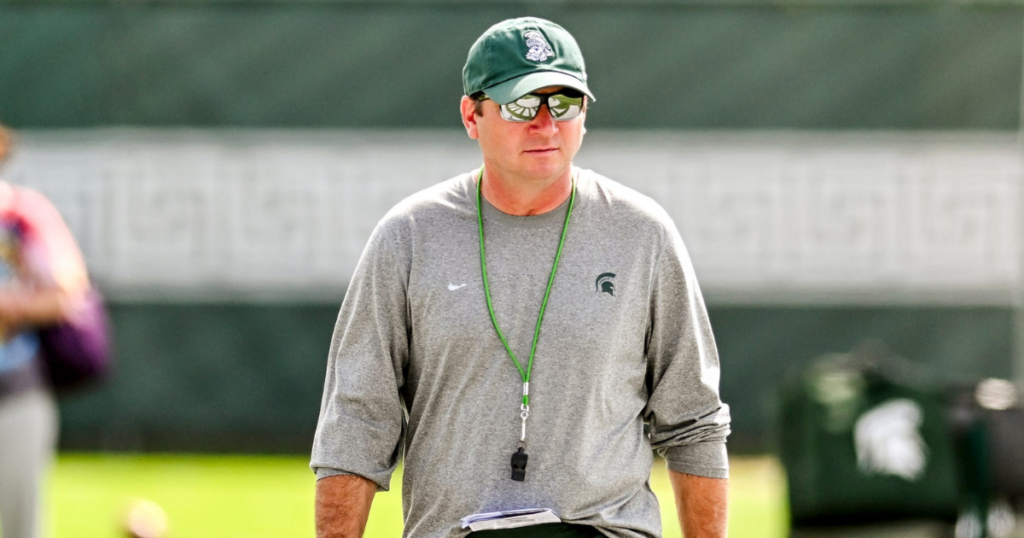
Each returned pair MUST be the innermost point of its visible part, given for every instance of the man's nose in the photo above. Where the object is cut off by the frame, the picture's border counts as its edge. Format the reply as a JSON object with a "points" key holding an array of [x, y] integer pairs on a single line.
{"points": [[543, 121]]}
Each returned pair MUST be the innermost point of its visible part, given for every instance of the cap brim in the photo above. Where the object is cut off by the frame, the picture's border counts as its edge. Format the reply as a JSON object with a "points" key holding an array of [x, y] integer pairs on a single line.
{"points": [[510, 90]]}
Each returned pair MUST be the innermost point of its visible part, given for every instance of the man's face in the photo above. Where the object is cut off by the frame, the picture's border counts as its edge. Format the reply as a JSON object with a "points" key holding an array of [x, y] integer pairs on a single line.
{"points": [[540, 149]]}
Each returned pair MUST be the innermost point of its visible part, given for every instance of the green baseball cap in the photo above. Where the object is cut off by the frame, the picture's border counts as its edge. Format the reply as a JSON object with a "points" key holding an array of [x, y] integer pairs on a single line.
{"points": [[517, 56]]}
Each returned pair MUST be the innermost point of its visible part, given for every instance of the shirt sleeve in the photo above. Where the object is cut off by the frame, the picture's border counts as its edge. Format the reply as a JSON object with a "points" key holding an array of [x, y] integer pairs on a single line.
{"points": [[361, 423], [688, 421], [49, 254]]}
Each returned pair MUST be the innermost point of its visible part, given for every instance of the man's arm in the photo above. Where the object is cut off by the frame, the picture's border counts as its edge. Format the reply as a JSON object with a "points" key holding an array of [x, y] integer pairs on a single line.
{"points": [[702, 504], [25, 307], [360, 430], [343, 505]]}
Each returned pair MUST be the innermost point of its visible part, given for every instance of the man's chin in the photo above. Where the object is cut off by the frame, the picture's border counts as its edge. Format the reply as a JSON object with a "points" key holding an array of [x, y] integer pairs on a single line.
{"points": [[544, 167]]}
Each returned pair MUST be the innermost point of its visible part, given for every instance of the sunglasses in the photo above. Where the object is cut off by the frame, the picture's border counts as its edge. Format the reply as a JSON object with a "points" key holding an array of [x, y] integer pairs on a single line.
{"points": [[563, 105]]}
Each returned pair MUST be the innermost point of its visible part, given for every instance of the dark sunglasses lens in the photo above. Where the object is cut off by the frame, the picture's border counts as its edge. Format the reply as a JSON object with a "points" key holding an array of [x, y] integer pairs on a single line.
{"points": [[523, 109], [565, 107]]}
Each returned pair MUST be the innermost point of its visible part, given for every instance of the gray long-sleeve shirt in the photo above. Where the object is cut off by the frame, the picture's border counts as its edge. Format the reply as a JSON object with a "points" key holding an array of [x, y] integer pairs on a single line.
{"points": [[416, 364]]}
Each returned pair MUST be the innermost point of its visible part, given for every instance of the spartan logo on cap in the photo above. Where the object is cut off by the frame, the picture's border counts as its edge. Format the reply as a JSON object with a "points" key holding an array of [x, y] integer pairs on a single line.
{"points": [[540, 50], [604, 283]]}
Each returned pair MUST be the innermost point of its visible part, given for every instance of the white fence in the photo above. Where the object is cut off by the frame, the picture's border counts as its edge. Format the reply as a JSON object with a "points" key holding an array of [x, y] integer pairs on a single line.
{"points": [[768, 217]]}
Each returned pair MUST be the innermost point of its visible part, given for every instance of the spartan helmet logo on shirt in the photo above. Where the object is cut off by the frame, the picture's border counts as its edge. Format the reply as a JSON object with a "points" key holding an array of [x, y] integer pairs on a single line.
{"points": [[604, 283], [539, 48], [888, 440]]}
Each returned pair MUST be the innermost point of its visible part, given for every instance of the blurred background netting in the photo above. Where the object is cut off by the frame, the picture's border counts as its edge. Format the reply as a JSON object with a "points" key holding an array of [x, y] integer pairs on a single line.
{"points": [[842, 171]]}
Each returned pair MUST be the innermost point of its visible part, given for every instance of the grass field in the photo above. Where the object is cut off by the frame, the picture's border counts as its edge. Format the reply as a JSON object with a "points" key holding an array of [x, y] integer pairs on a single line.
{"points": [[272, 497]]}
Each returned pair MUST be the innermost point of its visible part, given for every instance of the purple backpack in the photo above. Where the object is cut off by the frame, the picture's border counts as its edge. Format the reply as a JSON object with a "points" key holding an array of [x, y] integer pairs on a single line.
{"points": [[77, 352]]}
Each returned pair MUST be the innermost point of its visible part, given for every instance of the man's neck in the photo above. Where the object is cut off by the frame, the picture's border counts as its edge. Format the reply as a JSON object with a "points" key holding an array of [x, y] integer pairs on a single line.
{"points": [[525, 197]]}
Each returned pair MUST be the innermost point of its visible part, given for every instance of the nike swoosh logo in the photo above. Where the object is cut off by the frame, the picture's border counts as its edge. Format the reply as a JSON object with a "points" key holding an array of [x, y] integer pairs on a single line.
{"points": [[453, 287]]}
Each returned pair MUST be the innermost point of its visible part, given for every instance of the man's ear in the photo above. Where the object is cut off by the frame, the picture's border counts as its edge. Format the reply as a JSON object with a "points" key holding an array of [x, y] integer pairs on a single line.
{"points": [[468, 109]]}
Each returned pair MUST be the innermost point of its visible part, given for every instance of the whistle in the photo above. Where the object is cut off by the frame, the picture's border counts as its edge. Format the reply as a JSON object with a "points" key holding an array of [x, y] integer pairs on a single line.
{"points": [[519, 465]]}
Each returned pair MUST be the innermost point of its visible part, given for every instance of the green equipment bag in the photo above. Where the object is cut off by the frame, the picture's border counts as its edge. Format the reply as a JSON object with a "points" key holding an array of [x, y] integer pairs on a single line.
{"points": [[866, 439]]}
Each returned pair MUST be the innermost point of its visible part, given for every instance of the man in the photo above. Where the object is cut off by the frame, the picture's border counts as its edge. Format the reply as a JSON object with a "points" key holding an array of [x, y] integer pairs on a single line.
{"points": [[439, 351], [42, 280]]}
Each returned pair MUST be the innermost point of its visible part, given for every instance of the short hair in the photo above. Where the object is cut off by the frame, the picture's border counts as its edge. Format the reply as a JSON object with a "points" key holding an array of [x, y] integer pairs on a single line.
{"points": [[478, 102]]}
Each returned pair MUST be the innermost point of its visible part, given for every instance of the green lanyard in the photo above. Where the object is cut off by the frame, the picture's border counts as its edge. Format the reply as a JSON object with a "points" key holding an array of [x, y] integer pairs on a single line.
{"points": [[525, 375]]}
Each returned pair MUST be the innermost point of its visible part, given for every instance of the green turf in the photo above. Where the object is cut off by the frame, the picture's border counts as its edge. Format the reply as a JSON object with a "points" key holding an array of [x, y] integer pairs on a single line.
{"points": [[272, 497]]}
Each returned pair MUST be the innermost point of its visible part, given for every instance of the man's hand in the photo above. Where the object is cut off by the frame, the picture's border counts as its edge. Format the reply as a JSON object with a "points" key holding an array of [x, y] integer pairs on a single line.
{"points": [[21, 307], [702, 504], [343, 506]]}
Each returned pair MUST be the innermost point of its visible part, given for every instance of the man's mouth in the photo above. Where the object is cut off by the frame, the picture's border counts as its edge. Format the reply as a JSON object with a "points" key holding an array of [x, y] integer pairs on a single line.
{"points": [[541, 150]]}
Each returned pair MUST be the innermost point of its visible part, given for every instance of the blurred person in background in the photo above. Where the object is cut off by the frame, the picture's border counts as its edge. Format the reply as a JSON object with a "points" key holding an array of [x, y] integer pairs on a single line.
{"points": [[43, 282], [420, 364]]}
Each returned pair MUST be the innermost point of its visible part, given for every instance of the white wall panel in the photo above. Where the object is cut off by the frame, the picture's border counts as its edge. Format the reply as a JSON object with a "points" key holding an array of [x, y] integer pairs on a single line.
{"points": [[767, 217]]}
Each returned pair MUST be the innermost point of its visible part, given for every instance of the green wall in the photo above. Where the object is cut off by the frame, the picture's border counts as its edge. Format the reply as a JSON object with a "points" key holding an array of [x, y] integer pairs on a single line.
{"points": [[248, 377], [653, 65]]}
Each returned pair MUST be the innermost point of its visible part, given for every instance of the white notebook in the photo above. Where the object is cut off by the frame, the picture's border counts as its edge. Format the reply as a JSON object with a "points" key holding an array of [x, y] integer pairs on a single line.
{"points": [[509, 519]]}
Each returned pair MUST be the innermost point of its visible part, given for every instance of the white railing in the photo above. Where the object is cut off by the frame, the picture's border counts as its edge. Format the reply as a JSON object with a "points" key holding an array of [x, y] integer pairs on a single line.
{"points": [[767, 217]]}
